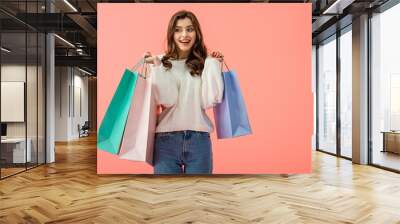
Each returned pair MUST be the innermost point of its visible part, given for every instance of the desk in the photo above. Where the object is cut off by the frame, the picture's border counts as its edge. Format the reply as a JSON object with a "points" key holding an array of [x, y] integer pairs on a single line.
{"points": [[15, 148], [391, 141]]}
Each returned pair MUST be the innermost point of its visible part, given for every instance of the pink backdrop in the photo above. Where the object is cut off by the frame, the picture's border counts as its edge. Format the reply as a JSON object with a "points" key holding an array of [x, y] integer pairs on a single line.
{"points": [[269, 45]]}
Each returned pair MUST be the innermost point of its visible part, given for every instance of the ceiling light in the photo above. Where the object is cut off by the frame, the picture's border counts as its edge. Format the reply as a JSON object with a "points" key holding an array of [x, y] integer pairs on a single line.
{"points": [[70, 5], [84, 71], [5, 50], [64, 40]]}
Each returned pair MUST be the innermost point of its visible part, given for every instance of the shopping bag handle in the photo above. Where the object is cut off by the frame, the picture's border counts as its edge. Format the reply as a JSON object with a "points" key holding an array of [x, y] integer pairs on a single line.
{"points": [[139, 63], [143, 62], [222, 66]]}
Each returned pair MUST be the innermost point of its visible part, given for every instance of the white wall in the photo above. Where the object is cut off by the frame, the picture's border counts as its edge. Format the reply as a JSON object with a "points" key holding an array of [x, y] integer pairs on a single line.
{"points": [[12, 73], [70, 83], [62, 81], [34, 125], [81, 81]]}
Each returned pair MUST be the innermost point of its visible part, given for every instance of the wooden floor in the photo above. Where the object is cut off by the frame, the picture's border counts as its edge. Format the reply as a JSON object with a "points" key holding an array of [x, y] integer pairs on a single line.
{"points": [[70, 191], [5, 172]]}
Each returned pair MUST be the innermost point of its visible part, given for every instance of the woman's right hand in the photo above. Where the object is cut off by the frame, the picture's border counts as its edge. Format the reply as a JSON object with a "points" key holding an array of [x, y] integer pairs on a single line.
{"points": [[148, 58]]}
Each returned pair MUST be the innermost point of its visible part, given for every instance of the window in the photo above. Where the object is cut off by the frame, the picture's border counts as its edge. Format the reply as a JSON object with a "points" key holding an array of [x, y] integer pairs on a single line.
{"points": [[346, 92], [327, 95], [385, 87]]}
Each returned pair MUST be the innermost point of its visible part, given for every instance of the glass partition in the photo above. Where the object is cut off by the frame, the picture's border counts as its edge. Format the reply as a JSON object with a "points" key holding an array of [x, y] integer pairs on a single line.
{"points": [[22, 101]]}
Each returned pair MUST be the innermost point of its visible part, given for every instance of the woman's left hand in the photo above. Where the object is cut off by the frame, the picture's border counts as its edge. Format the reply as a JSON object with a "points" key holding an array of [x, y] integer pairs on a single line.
{"points": [[218, 55]]}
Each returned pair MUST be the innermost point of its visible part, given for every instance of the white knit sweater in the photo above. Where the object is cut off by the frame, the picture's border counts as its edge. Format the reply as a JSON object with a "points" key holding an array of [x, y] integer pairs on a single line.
{"points": [[186, 98]]}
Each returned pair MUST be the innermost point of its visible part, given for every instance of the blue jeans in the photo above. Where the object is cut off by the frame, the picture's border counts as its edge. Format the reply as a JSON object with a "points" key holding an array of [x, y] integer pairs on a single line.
{"points": [[180, 152]]}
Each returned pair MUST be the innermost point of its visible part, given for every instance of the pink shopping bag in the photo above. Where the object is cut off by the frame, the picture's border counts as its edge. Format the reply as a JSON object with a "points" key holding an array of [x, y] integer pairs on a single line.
{"points": [[138, 139]]}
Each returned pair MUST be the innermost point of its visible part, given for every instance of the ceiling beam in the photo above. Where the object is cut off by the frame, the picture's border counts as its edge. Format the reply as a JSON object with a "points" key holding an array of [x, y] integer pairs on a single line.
{"points": [[84, 61], [337, 6]]}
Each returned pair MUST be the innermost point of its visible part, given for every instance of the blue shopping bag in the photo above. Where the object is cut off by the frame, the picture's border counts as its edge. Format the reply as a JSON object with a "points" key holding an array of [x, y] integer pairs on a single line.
{"points": [[230, 115]]}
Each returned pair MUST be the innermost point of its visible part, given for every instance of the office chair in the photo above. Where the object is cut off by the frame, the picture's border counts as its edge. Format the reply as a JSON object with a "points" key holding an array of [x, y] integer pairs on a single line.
{"points": [[84, 130]]}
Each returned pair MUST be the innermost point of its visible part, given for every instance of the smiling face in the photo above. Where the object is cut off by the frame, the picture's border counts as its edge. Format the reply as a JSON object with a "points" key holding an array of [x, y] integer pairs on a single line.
{"points": [[184, 36], [185, 41]]}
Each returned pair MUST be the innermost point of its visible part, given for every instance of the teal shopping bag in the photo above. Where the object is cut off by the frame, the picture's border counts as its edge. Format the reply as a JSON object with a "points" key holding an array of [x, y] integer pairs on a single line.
{"points": [[112, 127]]}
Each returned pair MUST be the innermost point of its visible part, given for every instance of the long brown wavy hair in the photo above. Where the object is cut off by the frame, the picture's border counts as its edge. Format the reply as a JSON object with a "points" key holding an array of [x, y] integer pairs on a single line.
{"points": [[198, 54]]}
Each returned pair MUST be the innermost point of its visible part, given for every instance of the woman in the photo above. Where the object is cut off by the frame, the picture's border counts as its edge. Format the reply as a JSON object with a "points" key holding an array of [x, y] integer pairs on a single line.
{"points": [[186, 82]]}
